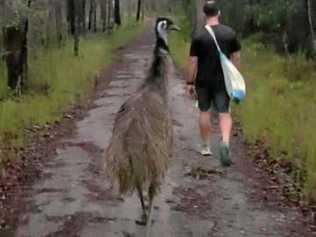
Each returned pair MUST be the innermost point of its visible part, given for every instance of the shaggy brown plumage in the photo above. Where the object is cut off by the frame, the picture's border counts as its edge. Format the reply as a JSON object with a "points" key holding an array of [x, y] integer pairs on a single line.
{"points": [[138, 155]]}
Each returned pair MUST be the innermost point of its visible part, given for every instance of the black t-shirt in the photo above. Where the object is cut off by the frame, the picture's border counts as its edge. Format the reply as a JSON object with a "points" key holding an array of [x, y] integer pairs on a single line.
{"points": [[203, 46]]}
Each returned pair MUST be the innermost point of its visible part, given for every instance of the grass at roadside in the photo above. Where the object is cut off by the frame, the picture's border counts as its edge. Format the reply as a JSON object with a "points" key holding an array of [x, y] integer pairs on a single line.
{"points": [[57, 80], [280, 108]]}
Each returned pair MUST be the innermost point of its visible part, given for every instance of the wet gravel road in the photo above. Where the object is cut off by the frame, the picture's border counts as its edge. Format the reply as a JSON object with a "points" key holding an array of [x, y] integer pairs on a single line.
{"points": [[198, 199]]}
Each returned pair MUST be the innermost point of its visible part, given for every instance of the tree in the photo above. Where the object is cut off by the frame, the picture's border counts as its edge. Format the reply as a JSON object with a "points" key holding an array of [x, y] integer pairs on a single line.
{"points": [[289, 25], [139, 9], [104, 10], [93, 16], [58, 22], [16, 46], [117, 13], [311, 21], [110, 15], [82, 16], [198, 18]]}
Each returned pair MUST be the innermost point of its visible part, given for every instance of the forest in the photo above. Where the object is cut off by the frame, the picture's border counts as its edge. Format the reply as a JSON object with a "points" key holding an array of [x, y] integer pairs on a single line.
{"points": [[289, 25], [29, 26]]}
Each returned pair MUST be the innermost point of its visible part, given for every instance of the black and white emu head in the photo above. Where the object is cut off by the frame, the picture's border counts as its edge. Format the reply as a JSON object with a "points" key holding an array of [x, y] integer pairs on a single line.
{"points": [[163, 26]]}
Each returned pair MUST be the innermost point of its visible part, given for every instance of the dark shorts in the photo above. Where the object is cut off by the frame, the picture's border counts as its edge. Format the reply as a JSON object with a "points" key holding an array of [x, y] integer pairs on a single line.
{"points": [[216, 99]]}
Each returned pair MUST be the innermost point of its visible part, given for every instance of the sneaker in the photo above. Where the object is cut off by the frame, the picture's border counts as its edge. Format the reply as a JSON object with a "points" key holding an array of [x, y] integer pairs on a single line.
{"points": [[224, 155], [205, 150]]}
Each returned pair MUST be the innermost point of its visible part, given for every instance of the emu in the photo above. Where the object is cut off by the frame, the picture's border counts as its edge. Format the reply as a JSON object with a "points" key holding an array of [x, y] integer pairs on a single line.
{"points": [[141, 145]]}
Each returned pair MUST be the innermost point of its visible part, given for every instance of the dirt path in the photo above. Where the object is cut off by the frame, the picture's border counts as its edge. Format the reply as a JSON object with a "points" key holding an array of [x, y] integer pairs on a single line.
{"points": [[73, 199]]}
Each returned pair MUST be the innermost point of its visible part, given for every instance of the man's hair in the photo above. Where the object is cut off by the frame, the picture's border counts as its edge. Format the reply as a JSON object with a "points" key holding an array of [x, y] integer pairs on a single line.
{"points": [[211, 8]]}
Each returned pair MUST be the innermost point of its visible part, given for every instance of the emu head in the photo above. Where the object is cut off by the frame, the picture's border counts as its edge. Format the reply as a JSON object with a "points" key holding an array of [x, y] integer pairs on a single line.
{"points": [[163, 26]]}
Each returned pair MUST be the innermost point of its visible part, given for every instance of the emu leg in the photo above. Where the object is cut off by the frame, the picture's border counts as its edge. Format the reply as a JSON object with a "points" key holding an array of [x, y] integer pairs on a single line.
{"points": [[151, 195], [143, 220]]}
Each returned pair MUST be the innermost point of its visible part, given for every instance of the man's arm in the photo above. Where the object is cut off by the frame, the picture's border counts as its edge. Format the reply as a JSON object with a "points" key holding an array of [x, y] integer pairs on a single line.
{"points": [[191, 70], [235, 58]]}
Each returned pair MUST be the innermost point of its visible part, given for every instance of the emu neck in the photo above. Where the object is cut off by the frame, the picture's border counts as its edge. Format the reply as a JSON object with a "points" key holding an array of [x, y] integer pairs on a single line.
{"points": [[161, 44], [157, 74]]}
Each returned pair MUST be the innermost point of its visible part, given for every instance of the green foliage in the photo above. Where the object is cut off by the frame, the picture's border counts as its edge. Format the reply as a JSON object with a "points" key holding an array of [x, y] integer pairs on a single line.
{"points": [[283, 23], [179, 49], [273, 14], [57, 80], [179, 42], [280, 109], [15, 12], [4, 91]]}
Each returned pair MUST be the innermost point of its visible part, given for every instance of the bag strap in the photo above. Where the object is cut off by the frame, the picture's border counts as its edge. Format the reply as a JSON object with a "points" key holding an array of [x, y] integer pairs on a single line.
{"points": [[211, 31]]}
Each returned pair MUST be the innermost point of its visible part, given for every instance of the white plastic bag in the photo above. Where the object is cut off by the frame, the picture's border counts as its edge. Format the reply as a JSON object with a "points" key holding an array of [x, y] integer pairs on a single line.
{"points": [[234, 81]]}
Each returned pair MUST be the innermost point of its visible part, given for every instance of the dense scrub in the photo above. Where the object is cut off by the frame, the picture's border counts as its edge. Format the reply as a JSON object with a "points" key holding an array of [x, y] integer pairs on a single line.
{"points": [[289, 25], [280, 109]]}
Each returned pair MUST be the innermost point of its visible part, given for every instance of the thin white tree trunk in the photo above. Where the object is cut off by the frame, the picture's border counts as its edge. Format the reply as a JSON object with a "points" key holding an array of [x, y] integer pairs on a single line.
{"points": [[311, 24], [198, 17]]}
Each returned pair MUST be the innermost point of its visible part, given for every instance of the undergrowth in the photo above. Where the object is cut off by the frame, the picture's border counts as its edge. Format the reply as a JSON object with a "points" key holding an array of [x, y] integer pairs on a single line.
{"points": [[57, 80], [280, 108]]}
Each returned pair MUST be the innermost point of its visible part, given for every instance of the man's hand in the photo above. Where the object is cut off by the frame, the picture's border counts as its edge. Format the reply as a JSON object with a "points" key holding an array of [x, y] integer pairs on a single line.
{"points": [[190, 90]]}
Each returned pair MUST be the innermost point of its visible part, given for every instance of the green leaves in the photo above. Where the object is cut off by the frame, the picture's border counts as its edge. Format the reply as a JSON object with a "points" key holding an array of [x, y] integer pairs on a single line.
{"points": [[15, 11]]}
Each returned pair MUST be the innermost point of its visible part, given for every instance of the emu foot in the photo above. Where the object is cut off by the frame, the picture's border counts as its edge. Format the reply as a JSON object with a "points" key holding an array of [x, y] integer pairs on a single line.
{"points": [[142, 221]]}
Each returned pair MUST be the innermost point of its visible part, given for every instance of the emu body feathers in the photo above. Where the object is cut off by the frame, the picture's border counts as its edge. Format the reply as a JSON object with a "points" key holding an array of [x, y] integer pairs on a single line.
{"points": [[137, 157], [138, 154], [140, 146]]}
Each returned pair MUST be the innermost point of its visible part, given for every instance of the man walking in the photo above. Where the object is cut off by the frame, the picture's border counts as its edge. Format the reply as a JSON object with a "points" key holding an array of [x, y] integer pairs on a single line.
{"points": [[206, 75]]}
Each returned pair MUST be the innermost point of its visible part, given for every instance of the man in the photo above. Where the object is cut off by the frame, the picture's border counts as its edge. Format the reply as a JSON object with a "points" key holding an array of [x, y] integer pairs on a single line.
{"points": [[206, 75]]}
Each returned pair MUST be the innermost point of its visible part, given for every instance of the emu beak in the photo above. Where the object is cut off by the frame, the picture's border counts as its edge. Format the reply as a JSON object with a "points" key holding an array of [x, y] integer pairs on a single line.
{"points": [[174, 28]]}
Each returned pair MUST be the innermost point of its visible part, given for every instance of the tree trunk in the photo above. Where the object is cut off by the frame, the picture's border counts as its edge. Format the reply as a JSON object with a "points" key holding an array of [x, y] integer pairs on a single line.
{"points": [[139, 7], [58, 18], [24, 55], [76, 37], [78, 10], [83, 16], [129, 9], [311, 25], [71, 16], [117, 13], [198, 16], [92, 16], [15, 58], [285, 43], [16, 46], [94, 25], [104, 15], [110, 14], [73, 12], [47, 41], [143, 10]]}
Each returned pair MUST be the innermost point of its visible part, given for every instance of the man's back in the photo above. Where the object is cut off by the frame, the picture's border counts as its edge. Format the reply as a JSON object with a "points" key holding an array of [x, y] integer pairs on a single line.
{"points": [[203, 47]]}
